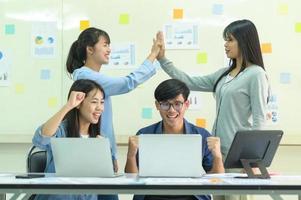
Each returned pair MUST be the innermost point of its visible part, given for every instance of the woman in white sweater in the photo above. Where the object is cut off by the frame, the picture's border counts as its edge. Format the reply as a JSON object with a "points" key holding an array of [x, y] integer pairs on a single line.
{"points": [[241, 90]]}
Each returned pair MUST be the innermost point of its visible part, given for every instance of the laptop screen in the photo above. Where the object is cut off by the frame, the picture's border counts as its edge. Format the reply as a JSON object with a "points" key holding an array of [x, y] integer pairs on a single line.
{"points": [[170, 155], [79, 157]]}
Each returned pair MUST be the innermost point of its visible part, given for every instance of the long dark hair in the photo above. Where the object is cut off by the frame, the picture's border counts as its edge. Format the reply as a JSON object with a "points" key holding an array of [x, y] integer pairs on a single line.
{"points": [[77, 53], [72, 117], [245, 32]]}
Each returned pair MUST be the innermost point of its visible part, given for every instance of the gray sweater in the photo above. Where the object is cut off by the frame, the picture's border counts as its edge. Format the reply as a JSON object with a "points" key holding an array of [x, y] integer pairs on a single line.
{"points": [[241, 103]]}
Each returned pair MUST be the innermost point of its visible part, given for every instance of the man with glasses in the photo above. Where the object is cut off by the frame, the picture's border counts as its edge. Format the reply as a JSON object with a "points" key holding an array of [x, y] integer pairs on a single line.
{"points": [[171, 101]]}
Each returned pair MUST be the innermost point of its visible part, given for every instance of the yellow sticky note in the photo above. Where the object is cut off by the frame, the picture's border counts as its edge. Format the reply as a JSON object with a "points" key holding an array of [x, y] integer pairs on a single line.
{"points": [[298, 27], [84, 24], [124, 18], [201, 122], [201, 58], [178, 13], [282, 9], [19, 88], [266, 48], [52, 102]]}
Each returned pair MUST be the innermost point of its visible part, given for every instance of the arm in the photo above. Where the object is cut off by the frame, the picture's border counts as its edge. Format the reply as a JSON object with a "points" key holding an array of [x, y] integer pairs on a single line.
{"points": [[196, 83], [51, 126], [199, 83], [215, 148], [131, 161], [258, 97], [120, 85]]}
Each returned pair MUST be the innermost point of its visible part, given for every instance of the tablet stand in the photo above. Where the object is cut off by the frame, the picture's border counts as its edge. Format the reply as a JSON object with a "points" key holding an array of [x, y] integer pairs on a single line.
{"points": [[246, 163]]}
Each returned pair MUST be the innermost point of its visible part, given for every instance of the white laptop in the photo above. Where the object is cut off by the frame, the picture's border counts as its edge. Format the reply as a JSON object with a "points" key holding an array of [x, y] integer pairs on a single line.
{"points": [[170, 155], [82, 157]]}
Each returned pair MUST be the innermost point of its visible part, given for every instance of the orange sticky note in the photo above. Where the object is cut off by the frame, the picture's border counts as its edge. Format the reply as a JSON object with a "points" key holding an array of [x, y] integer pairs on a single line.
{"points": [[178, 13], [201, 58], [19, 88], [298, 27], [124, 18], [201, 122], [84, 24], [215, 180], [52, 102], [266, 48]]}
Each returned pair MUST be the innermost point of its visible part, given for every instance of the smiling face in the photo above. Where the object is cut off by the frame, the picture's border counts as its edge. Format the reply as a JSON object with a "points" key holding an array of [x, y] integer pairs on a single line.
{"points": [[92, 107], [232, 48], [100, 52], [172, 111]]}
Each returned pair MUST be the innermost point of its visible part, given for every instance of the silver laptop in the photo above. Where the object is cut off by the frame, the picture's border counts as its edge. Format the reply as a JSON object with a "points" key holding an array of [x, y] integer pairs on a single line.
{"points": [[82, 157], [170, 155]]}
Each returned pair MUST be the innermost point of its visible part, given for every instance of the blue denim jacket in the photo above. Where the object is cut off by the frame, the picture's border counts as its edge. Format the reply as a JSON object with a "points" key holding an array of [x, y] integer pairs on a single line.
{"points": [[115, 86]]}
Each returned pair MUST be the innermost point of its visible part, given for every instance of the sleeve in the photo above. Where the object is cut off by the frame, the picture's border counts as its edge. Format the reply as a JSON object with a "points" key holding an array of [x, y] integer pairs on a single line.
{"points": [[120, 85], [196, 83], [207, 155], [42, 141], [259, 90]]}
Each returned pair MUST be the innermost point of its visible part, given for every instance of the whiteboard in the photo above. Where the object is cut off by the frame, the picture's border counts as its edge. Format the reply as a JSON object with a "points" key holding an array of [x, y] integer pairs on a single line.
{"points": [[38, 83]]}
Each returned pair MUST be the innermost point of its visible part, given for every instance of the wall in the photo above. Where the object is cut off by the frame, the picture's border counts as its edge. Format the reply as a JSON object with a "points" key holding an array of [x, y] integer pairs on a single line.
{"points": [[38, 82]]}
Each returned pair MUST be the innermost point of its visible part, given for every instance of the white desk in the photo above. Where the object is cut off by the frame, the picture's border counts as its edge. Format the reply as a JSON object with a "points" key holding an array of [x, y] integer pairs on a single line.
{"points": [[130, 184]]}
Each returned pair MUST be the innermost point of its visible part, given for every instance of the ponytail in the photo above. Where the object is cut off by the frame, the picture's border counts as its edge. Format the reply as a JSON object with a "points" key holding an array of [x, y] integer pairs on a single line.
{"points": [[77, 54], [75, 57]]}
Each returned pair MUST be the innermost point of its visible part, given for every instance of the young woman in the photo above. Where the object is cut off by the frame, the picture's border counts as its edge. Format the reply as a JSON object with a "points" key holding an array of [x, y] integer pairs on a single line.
{"points": [[79, 117], [87, 55], [241, 90]]}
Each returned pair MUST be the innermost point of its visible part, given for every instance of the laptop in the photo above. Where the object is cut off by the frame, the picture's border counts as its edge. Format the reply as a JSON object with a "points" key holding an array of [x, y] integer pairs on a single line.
{"points": [[79, 157], [170, 155]]}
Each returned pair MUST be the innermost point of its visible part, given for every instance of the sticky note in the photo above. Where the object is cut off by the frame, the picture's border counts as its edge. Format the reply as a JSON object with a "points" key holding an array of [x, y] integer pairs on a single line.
{"points": [[19, 88], [298, 27], [282, 9], [45, 74], [178, 13], [201, 122], [217, 9], [285, 78], [147, 113], [9, 29], [201, 58], [52, 102], [124, 18], [84, 24], [215, 180], [266, 48]]}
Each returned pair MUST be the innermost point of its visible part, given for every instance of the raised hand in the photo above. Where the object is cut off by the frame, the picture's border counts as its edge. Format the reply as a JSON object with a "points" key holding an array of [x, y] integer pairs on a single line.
{"points": [[156, 48], [214, 145], [160, 39], [133, 146], [75, 99], [131, 162], [51, 126]]}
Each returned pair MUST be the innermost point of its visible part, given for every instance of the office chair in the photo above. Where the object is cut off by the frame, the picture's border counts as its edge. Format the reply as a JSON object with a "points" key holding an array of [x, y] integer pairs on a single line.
{"points": [[36, 162]]}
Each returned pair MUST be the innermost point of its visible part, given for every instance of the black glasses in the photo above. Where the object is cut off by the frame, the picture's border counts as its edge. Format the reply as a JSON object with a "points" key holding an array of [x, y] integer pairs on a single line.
{"points": [[166, 105]]}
